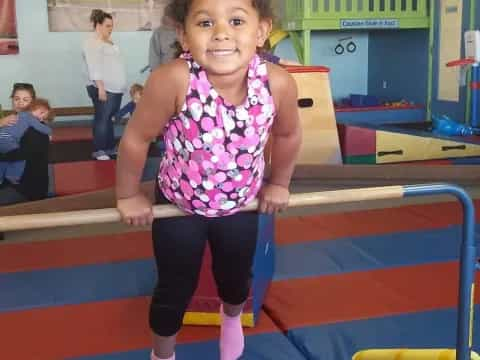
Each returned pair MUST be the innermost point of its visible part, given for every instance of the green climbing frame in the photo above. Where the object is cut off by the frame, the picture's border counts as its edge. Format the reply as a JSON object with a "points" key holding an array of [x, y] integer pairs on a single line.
{"points": [[303, 16]]}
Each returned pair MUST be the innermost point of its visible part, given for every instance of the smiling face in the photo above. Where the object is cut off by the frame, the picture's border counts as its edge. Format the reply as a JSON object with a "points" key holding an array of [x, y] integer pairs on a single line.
{"points": [[223, 36]]}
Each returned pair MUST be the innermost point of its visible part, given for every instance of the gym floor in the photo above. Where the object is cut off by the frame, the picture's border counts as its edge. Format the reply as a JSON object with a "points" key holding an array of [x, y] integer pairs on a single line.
{"points": [[348, 277]]}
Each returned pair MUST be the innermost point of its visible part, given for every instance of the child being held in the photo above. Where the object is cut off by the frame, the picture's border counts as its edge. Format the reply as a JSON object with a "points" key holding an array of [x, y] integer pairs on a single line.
{"points": [[38, 113], [136, 91]]}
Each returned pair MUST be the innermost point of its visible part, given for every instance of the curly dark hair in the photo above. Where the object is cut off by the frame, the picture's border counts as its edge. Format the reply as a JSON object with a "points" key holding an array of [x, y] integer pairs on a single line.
{"points": [[98, 16], [178, 10]]}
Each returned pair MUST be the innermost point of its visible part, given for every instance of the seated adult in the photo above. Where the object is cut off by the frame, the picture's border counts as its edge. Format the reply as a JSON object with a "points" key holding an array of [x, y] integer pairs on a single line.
{"points": [[33, 184]]}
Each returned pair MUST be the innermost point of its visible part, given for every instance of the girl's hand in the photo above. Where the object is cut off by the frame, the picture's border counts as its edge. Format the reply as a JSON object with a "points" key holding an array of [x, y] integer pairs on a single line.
{"points": [[273, 198], [135, 210], [8, 120]]}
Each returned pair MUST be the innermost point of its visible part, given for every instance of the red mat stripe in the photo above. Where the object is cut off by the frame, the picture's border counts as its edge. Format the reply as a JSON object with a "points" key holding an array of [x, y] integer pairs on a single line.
{"points": [[94, 328], [121, 325], [75, 252], [368, 222], [133, 246], [363, 295], [66, 134], [83, 176]]}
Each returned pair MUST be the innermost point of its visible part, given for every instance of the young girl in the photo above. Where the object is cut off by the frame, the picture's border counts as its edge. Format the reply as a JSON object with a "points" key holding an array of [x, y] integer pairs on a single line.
{"points": [[223, 103]]}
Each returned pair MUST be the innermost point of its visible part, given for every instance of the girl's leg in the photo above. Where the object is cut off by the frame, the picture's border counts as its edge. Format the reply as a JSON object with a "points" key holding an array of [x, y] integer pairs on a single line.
{"points": [[163, 347], [233, 241], [179, 245]]}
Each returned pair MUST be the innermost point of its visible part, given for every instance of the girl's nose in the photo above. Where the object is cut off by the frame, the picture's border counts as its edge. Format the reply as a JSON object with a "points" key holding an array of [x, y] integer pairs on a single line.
{"points": [[221, 33]]}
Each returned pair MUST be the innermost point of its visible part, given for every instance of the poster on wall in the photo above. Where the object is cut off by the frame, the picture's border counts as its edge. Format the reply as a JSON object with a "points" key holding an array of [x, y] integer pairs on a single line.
{"points": [[8, 28], [128, 15]]}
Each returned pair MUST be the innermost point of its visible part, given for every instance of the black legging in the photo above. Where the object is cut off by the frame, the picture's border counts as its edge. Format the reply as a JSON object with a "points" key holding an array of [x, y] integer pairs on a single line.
{"points": [[179, 244]]}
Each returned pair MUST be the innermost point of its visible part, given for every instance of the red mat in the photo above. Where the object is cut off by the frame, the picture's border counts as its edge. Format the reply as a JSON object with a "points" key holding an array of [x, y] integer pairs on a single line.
{"points": [[83, 176], [363, 295], [137, 245], [369, 222], [65, 134], [93, 328]]}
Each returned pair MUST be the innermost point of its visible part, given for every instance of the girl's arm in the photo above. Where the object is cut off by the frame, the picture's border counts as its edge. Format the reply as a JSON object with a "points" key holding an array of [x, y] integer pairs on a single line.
{"points": [[153, 111], [286, 140]]}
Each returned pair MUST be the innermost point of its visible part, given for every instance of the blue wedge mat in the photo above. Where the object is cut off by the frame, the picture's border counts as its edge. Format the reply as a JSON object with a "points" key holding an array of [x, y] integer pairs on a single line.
{"points": [[432, 329], [368, 253], [53, 287]]}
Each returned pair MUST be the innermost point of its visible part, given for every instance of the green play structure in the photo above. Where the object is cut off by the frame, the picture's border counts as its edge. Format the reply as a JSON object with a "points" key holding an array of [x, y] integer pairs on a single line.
{"points": [[303, 16]]}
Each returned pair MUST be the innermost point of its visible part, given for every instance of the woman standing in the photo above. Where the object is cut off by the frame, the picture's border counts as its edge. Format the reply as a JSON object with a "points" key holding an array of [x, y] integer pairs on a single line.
{"points": [[106, 82]]}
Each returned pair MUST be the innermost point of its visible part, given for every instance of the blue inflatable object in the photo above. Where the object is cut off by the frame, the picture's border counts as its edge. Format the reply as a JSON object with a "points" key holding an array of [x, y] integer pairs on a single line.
{"points": [[443, 125]]}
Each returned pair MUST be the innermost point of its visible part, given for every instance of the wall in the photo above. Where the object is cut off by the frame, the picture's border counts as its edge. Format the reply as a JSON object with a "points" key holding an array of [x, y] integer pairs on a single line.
{"points": [[52, 60], [398, 63], [349, 72], [401, 59]]}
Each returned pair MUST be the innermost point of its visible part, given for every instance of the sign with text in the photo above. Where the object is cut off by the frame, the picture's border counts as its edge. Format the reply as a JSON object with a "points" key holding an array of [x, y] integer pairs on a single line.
{"points": [[369, 23]]}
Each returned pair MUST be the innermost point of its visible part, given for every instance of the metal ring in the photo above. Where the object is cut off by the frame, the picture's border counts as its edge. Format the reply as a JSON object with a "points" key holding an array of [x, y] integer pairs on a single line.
{"points": [[351, 47], [339, 49]]}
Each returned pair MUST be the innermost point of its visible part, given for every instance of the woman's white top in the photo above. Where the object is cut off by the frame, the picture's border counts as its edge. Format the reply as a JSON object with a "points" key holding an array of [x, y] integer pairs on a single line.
{"points": [[103, 61]]}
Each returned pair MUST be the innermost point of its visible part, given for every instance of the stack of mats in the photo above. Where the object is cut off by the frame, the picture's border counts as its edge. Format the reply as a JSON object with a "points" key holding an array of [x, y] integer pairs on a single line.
{"points": [[343, 282], [79, 177], [73, 141]]}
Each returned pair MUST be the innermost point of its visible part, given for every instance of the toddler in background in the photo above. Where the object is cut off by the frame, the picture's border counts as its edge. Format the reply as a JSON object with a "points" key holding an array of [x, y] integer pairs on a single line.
{"points": [[136, 91]]}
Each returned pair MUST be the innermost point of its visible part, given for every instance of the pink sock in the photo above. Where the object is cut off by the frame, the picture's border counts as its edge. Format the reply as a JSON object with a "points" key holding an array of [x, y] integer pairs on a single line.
{"points": [[153, 357], [231, 337]]}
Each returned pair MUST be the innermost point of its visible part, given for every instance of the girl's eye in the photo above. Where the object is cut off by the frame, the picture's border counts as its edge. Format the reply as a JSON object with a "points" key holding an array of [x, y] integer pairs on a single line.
{"points": [[205, 23], [237, 22]]}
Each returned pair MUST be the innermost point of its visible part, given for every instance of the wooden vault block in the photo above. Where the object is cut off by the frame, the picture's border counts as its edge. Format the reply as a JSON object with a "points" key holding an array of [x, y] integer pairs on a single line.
{"points": [[320, 137]]}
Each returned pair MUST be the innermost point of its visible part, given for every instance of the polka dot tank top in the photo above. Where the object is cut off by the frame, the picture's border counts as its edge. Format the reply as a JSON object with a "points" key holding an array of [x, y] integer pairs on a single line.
{"points": [[213, 163]]}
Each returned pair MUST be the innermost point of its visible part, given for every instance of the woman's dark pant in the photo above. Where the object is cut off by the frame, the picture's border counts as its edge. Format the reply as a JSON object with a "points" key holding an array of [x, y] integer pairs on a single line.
{"points": [[103, 136], [179, 244]]}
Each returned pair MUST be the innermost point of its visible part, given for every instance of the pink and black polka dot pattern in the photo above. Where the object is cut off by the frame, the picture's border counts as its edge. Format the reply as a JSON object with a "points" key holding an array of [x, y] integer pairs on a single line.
{"points": [[214, 163]]}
